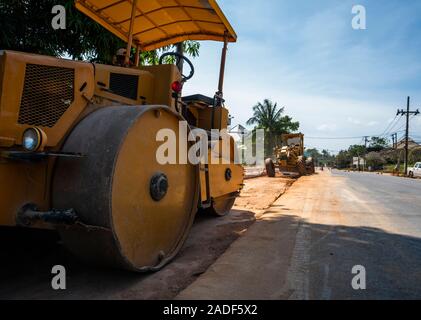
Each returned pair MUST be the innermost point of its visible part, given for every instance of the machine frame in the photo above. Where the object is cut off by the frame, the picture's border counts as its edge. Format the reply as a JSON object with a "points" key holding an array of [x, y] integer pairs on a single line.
{"points": [[60, 103]]}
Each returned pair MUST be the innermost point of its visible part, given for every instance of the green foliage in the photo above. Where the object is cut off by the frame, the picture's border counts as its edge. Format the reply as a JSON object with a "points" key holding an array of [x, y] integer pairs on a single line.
{"points": [[357, 151], [313, 153], [270, 117], [378, 144], [321, 158], [415, 155], [26, 26], [190, 48], [375, 160], [343, 160]]}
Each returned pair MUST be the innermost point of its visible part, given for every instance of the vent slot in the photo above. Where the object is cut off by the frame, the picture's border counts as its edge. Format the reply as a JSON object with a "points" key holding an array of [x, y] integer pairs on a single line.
{"points": [[47, 94], [125, 85]]}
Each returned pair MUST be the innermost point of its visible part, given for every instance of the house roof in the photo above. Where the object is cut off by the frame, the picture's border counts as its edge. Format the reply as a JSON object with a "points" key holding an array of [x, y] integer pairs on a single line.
{"points": [[412, 144]]}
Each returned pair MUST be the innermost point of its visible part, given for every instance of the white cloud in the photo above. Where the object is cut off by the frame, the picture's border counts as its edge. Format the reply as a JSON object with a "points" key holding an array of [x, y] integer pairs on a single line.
{"points": [[354, 121], [306, 57], [359, 122], [327, 127], [372, 123]]}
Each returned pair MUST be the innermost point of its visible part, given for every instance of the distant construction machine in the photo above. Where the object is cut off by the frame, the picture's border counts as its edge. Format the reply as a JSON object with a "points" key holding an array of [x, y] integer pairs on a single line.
{"points": [[290, 158]]}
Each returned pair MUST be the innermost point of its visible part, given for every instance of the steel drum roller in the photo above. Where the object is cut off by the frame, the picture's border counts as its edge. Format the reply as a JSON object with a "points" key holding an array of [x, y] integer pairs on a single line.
{"points": [[135, 213]]}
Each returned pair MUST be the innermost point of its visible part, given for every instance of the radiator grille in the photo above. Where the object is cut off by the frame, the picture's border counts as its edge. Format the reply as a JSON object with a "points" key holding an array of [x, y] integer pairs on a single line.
{"points": [[47, 94], [124, 85]]}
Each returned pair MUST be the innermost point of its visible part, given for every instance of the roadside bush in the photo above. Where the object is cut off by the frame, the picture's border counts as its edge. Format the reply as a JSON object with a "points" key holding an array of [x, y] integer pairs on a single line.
{"points": [[375, 160], [415, 156]]}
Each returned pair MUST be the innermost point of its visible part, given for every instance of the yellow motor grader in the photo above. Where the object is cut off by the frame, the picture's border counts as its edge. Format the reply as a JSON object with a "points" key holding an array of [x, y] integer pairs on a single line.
{"points": [[78, 141], [290, 158]]}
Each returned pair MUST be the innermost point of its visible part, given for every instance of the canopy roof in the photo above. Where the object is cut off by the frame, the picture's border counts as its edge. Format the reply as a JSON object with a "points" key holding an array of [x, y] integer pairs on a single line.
{"points": [[160, 23]]}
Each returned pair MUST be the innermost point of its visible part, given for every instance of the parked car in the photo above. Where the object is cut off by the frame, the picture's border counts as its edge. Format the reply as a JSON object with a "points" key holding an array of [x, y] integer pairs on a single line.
{"points": [[415, 171]]}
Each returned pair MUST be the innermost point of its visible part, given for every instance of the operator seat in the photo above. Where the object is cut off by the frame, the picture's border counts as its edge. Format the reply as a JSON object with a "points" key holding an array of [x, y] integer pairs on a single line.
{"points": [[199, 98]]}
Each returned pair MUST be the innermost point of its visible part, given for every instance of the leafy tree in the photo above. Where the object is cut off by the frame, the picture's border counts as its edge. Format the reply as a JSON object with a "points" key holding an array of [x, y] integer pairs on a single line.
{"points": [[269, 116], [375, 160], [152, 57], [27, 27], [378, 144], [313, 153], [321, 158], [343, 159], [325, 153], [415, 155], [357, 151], [327, 158]]}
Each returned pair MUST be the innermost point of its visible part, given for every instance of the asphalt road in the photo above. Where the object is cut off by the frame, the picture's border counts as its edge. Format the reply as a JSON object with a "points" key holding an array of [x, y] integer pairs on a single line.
{"points": [[385, 218], [400, 198], [307, 245]]}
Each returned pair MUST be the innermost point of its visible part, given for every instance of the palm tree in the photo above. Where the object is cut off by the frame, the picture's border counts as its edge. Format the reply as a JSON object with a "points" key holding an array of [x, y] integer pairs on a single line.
{"points": [[191, 48], [266, 115], [269, 117]]}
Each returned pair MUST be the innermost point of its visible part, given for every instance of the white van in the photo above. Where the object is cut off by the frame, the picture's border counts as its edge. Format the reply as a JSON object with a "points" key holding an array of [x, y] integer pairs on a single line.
{"points": [[415, 172]]}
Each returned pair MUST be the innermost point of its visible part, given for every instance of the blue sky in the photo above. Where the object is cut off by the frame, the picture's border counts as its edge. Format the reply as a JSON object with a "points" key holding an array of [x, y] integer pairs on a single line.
{"points": [[305, 55]]}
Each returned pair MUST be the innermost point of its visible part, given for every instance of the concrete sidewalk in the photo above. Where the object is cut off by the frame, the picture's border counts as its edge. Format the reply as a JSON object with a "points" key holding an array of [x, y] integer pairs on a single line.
{"points": [[269, 261]]}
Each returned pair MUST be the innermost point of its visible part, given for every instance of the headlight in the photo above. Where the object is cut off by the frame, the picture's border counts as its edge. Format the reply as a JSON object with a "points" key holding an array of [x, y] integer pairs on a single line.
{"points": [[33, 139]]}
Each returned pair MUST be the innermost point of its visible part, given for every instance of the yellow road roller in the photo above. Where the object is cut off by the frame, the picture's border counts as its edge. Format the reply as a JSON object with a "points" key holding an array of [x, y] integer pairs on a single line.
{"points": [[78, 141]]}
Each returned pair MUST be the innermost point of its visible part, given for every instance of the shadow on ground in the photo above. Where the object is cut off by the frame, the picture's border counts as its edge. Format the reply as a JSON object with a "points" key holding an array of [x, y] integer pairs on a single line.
{"points": [[27, 257], [392, 261]]}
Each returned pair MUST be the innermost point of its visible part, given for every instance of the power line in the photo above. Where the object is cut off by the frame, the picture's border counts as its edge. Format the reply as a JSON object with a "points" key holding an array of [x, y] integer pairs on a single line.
{"points": [[386, 132], [393, 127], [407, 113], [363, 138], [401, 129], [336, 138]]}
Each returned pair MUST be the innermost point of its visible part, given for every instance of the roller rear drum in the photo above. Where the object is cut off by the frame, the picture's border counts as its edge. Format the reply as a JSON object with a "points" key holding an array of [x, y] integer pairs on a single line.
{"points": [[135, 213]]}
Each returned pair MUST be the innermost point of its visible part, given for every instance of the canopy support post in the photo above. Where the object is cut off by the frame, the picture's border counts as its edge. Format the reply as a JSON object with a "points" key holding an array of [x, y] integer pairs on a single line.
{"points": [[130, 41], [137, 58], [180, 51], [220, 92]]}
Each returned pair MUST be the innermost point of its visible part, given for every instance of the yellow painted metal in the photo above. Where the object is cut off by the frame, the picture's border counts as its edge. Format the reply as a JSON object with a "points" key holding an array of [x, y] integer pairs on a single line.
{"points": [[294, 139], [290, 156], [22, 183], [143, 226], [219, 186], [29, 182], [37, 83], [131, 28], [14, 65], [111, 190], [144, 89], [164, 76], [32, 181], [160, 23]]}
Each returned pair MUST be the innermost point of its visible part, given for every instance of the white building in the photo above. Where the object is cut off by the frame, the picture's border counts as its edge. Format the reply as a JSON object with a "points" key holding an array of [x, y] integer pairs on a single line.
{"points": [[358, 162]]}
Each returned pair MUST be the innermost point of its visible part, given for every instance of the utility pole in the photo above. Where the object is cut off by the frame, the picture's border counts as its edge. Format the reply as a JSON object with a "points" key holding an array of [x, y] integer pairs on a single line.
{"points": [[407, 113], [366, 141], [395, 141]]}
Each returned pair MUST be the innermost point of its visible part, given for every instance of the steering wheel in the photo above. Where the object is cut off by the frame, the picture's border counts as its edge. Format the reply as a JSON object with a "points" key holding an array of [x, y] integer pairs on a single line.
{"points": [[179, 57]]}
